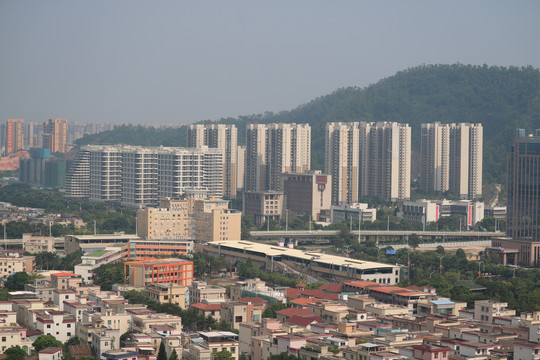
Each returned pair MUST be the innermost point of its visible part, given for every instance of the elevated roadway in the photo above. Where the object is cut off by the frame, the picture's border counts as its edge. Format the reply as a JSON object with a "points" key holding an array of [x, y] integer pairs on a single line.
{"points": [[376, 235]]}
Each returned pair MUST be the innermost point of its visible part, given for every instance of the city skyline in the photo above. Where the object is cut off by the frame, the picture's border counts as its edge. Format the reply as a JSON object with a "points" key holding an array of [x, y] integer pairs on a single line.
{"points": [[95, 62]]}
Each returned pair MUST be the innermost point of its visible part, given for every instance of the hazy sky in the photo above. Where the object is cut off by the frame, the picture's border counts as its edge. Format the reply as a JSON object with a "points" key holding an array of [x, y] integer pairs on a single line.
{"points": [[183, 61]]}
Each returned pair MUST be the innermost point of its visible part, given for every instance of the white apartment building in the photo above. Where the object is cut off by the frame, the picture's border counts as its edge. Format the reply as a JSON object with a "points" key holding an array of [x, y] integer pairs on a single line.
{"points": [[341, 160], [274, 149], [136, 175], [224, 137], [426, 211], [451, 159], [385, 160]]}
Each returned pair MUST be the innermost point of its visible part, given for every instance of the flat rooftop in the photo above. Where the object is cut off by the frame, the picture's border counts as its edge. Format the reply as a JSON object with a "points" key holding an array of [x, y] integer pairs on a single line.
{"points": [[272, 250]]}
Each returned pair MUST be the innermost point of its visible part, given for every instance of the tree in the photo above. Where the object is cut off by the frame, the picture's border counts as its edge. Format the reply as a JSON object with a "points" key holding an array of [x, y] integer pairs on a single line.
{"points": [[162, 354], [72, 341], [17, 281], [15, 353], [414, 241], [45, 341], [222, 355], [124, 337], [270, 311], [440, 250], [174, 355], [109, 274]]}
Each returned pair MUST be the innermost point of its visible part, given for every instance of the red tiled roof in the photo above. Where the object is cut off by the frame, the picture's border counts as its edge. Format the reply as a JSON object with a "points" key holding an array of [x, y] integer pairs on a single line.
{"points": [[62, 274], [294, 312], [360, 283], [292, 293], [305, 301], [50, 350], [206, 307], [301, 284], [253, 299], [303, 320], [319, 294], [80, 350], [33, 332], [332, 287], [387, 289]]}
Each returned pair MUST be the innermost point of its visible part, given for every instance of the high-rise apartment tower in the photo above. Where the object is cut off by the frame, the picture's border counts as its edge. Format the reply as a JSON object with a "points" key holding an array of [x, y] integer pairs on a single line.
{"points": [[451, 159], [272, 150], [14, 136], [220, 136]]}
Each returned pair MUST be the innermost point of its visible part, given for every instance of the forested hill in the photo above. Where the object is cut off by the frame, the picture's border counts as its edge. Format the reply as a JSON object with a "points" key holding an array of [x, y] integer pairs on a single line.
{"points": [[500, 98]]}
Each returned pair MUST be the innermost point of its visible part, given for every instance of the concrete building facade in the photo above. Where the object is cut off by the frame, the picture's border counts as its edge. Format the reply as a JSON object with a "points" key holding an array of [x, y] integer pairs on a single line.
{"points": [[224, 137], [136, 175], [307, 193], [272, 150], [14, 136], [55, 135], [451, 159], [341, 160]]}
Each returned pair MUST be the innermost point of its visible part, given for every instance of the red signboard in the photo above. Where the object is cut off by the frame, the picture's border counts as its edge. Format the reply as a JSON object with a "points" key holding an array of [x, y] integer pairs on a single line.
{"points": [[320, 179]]}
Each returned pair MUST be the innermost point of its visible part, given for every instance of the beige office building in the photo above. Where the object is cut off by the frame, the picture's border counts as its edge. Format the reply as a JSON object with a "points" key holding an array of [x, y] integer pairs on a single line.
{"points": [[341, 160], [202, 220], [224, 137], [451, 159], [272, 150]]}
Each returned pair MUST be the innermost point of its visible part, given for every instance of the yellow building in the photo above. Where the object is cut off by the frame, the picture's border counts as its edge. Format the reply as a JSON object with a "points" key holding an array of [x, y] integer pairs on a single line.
{"points": [[167, 292], [194, 218]]}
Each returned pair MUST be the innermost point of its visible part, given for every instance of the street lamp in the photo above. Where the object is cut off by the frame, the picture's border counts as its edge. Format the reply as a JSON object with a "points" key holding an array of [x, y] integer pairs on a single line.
{"points": [[479, 264], [440, 264]]}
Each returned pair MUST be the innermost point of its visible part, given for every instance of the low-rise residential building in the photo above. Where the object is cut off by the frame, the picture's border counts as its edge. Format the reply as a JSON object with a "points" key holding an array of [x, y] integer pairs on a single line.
{"points": [[50, 353], [210, 342], [168, 292], [37, 244], [236, 312], [105, 340], [213, 310], [142, 322], [12, 336], [200, 291], [10, 265], [59, 324], [486, 310]]}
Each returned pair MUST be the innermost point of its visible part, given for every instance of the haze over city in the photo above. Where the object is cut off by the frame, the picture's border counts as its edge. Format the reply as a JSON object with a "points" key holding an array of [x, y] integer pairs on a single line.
{"points": [[179, 62]]}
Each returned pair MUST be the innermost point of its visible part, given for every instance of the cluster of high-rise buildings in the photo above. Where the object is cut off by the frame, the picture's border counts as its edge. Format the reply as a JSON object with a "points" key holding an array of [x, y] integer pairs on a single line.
{"points": [[362, 159], [452, 159], [139, 176], [54, 134]]}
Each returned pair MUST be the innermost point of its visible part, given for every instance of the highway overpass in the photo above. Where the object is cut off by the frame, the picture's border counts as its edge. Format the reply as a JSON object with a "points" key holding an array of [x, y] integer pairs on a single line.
{"points": [[376, 235]]}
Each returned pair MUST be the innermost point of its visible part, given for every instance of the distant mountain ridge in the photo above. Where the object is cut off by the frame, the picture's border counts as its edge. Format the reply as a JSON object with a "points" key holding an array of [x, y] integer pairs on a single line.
{"points": [[501, 98]]}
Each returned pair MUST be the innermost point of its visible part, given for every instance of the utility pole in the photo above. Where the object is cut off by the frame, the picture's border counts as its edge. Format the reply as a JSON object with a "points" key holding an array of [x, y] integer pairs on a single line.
{"points": [[287, 220], [440, 264], [359, 226], [95, 228], [387, 223]]}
